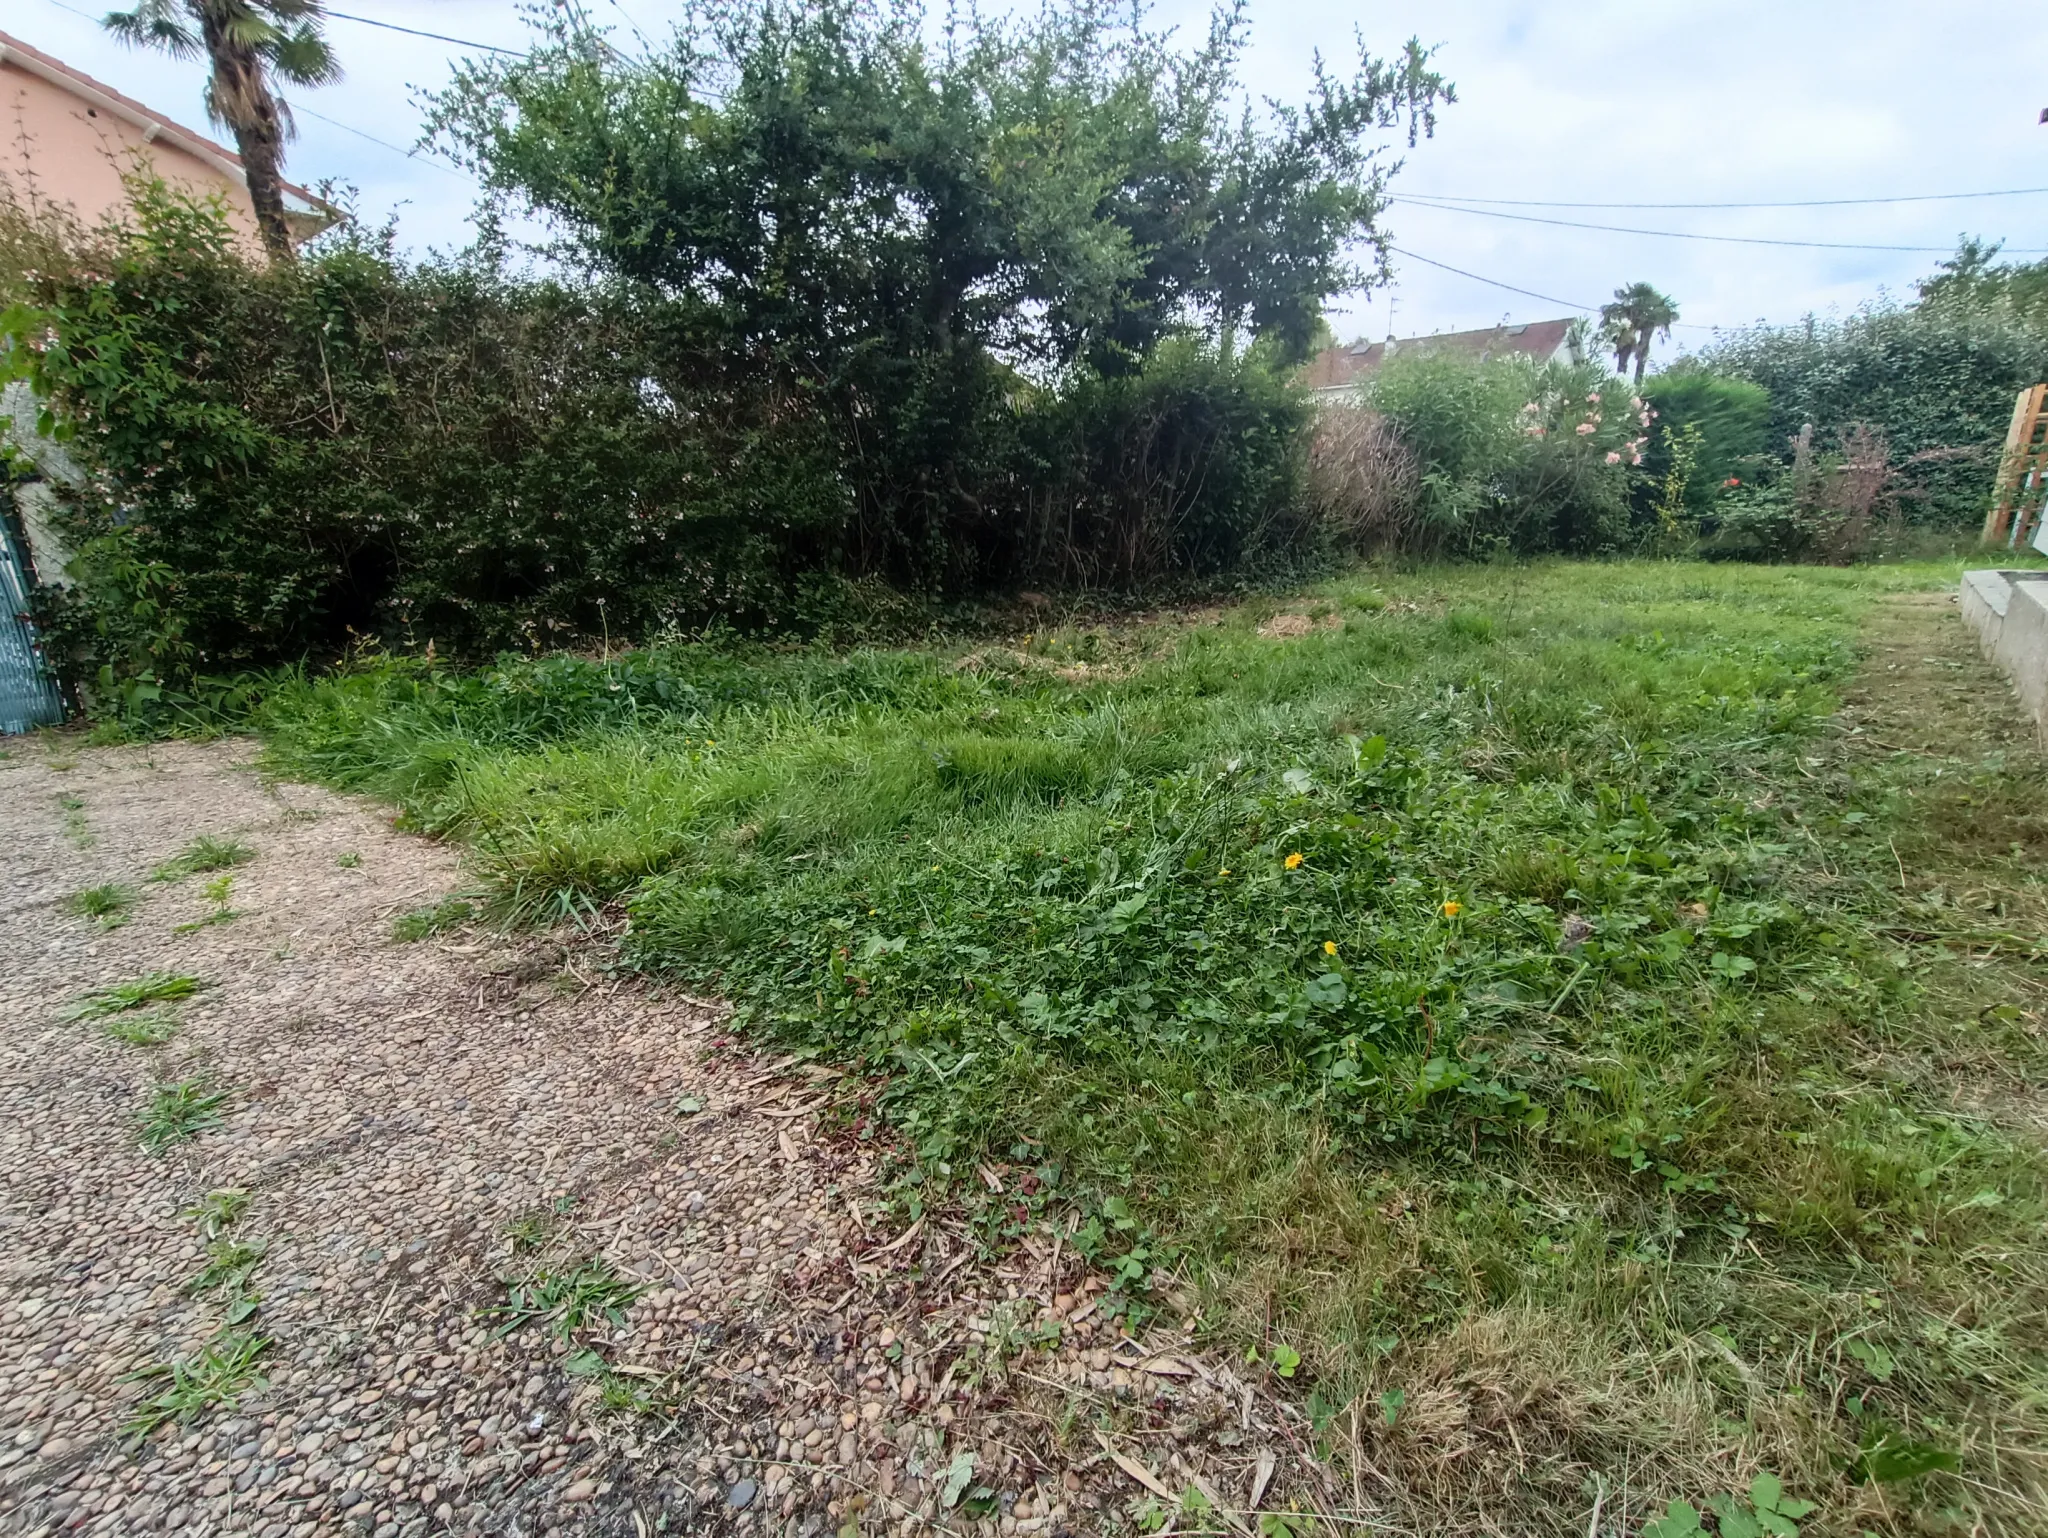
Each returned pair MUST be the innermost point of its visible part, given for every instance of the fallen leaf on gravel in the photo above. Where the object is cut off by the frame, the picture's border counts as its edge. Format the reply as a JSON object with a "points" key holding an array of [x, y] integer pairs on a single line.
{"points": [[1167, 1367], [795, 1111], [902, 1239], [1262, 1476], [1136, 1470], [788, 1145]]}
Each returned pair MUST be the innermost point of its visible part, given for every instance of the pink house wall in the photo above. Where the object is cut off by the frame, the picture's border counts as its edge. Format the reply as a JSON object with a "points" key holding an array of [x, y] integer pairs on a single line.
{"points": [[68, 140]]}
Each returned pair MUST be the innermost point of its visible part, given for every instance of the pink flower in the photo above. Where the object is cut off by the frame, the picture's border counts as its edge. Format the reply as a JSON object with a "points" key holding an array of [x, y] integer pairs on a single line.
{"points": [[1536, 432], [1593, 399], [1613, 458], [1585, 428]]}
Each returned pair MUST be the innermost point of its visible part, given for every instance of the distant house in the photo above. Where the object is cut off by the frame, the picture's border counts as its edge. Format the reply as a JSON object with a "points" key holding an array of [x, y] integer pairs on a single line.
{"points": [[1338, 370], [67, 139]]}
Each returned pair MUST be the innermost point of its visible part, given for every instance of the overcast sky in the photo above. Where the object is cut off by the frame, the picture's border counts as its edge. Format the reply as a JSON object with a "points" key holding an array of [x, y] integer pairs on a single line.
{"points": [[1650, 101]]}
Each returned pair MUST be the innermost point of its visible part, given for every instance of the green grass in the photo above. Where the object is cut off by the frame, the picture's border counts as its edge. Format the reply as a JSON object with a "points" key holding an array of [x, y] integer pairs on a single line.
{"points": [[1589, 1060], [76, 828], [219, 1373], [567, 1300], [138, 993], [423, 923], [148, 1028], [179, 1112], [218, 1211], [108, 903], [205, 853]]}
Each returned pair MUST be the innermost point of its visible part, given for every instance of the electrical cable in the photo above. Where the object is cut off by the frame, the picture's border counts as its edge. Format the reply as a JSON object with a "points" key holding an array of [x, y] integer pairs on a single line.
{"points": [[1734, 240], [1922, 197], [1527, 293], [439, 37], [386, 143]]}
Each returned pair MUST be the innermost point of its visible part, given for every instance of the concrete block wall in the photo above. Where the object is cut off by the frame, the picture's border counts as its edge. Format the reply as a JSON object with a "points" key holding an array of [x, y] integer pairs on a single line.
{"points": [[2008, 610]]}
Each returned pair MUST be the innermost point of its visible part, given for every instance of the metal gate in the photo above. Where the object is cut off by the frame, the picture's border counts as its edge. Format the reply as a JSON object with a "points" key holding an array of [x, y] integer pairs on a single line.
{"points": [[28, 695]]}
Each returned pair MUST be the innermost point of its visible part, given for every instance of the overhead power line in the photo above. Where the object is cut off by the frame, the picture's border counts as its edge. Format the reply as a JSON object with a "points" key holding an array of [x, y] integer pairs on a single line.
{"points": [[1922, 197], [364, 21], [1527, 293], [439, 37], [1733, 240], [396, 149]]}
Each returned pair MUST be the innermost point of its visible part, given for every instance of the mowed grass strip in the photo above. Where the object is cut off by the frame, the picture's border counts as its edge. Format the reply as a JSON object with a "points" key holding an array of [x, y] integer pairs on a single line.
{"points": [[1504, 987]]}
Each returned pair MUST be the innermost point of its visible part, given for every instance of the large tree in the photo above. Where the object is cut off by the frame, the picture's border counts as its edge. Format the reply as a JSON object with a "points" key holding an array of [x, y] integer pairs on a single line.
{"points": [[1637, 314], [834, 179], [248, 44]]}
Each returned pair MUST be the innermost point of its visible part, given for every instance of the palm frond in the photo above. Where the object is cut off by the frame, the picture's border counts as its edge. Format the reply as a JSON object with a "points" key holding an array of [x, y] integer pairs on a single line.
{"points": [[249, 30], [303, 57], [155, 24]]}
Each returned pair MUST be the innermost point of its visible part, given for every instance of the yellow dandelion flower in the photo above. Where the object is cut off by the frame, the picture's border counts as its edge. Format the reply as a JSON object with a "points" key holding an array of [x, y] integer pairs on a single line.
{"points": [[1224, 872], [1453, 909], [1293, 861], [1329, 947]]}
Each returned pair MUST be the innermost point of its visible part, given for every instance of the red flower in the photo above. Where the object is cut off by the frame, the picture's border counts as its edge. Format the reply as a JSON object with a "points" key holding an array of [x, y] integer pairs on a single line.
{"points": [[1733, 480]]}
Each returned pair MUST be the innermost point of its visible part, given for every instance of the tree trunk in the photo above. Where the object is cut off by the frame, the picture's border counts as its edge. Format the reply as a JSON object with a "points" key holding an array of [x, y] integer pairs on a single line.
{"points": [[262, 158], [241, 98]]}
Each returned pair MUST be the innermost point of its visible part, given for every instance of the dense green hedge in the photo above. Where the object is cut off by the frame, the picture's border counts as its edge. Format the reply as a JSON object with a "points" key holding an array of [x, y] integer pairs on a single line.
{"points": [[1937, 380], [290, 460]]}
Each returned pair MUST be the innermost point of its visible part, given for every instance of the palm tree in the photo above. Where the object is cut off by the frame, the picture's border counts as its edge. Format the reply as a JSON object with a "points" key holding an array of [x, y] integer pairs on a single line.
{"points": [[249, 43], [1638, 313]]}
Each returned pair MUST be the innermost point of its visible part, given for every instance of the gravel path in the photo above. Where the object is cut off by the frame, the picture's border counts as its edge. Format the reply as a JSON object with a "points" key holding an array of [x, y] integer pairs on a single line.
{"points": [[428, 1132]]}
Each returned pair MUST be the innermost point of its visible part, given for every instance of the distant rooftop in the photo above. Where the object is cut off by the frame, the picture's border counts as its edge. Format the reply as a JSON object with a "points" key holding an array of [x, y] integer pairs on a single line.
{"points": [[1338, 368]]}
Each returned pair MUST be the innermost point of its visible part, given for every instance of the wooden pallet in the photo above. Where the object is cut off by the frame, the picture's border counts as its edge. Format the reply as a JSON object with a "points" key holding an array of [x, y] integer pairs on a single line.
{"points": [[2016, 500]]}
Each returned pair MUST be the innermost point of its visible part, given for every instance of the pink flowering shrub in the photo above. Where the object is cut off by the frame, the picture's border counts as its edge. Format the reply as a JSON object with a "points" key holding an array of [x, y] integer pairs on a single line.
{"points": [[1513, 453]]}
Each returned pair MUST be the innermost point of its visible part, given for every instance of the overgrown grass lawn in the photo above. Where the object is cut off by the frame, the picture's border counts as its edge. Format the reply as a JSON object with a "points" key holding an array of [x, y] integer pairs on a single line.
{"points": [[1519, 993]]}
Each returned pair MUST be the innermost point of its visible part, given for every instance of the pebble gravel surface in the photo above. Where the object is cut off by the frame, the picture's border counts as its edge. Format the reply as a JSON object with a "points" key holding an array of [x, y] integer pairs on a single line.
{"points": [[522, 1244]]}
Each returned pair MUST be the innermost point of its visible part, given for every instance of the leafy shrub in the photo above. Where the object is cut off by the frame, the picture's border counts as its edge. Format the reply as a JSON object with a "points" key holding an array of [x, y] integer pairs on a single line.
{"points": [[1515, 454], [437, 455], [1937, 380], [1191, 463], [289, 462], [1732, 417], [1827, 508]]}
